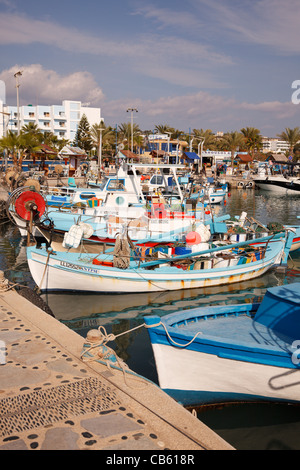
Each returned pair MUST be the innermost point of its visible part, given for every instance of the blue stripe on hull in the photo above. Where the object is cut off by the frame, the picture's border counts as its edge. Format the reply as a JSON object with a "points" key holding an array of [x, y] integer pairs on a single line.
{"points": [[199, 398]]}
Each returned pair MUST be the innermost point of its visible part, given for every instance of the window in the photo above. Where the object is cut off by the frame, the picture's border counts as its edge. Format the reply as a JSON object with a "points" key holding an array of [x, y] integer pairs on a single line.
{"points": [[114, 185]]}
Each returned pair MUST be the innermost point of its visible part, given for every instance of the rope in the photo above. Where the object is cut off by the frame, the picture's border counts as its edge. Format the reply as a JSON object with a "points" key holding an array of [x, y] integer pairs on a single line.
{"points": [[105, 355], [111, 337], [46, 265], [123, 366]]}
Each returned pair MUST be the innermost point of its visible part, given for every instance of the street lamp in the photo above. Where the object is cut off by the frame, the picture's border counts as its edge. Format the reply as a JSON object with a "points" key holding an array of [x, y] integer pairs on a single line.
{"points": [[131, 110], [16, 75], [201, 142], [169, 138], [101, 129]]}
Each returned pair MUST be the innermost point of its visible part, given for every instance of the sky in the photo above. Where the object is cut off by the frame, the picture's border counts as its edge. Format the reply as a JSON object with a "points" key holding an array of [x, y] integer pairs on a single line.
{"points": [[198, 64]]}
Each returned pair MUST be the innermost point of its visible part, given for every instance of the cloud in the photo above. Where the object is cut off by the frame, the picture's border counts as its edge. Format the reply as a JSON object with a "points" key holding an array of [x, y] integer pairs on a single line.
{"points": [[202, 106], [48, 87], [167, 17], [170, 58], [272, 23]]}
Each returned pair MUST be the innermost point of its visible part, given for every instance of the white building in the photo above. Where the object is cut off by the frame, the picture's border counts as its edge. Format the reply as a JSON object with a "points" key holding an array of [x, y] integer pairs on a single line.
{"points": [[274, 145], [62, 120]]}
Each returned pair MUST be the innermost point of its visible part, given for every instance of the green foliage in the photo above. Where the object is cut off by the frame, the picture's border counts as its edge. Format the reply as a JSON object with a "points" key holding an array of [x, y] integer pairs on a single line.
{"points": [[83, 138]]}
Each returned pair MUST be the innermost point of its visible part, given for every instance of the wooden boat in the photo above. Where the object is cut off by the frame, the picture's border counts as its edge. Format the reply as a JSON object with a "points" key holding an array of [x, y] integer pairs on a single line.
{"points": [[127, 270], [228, 353]]}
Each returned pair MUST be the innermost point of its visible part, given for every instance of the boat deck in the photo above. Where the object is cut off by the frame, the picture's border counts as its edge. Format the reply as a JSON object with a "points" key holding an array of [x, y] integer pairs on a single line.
{"points": [[239, 329]]}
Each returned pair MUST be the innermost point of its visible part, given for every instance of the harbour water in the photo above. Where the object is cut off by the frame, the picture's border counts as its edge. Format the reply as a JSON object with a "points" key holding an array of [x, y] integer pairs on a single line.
{"points": [[245, 426]]}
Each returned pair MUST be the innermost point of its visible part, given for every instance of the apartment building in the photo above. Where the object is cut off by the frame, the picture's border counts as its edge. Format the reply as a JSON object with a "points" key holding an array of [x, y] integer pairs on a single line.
{"points": [[274, 145], [62, 120]]}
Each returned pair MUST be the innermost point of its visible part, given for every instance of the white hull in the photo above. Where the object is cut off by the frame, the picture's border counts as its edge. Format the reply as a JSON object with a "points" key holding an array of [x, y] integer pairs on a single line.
{"points": [[278, 184], [276, 189], [212, 378]]}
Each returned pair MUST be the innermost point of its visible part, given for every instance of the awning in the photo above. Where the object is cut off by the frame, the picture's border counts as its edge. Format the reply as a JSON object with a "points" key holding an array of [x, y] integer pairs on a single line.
{"points": [[191, 155]]}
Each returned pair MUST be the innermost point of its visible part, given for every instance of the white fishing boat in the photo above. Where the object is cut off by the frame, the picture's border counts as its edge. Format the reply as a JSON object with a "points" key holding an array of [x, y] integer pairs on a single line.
{"points": [[125, 270], [231, 353], [120, 196]]}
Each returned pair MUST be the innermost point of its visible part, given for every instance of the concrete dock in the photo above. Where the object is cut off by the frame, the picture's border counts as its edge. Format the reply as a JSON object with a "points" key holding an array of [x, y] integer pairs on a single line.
{"points": [[51, 399]]}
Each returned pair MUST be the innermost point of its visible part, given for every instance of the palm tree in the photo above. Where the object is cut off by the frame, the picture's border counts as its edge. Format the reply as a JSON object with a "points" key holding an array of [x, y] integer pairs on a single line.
{"points": [[253, 139], [107, 135], [29, 143], [32, 129], [232, 141], [13, 144], [124, 132], [163, 128], [206, 135], [292, 136]]}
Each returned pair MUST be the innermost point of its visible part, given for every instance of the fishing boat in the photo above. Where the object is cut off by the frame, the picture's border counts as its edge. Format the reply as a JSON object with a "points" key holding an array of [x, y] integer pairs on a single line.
{"points": [[128, 269], [231, 353], [120, 196]]}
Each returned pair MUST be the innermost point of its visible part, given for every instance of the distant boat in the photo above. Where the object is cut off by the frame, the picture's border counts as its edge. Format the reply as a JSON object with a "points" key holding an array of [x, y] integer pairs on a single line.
{"points": [[231, 353], [127, 270], [278, 183]]}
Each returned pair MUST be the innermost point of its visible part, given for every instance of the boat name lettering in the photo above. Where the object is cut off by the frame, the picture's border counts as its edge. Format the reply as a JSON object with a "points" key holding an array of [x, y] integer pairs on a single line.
{"points": [[77, 267]]}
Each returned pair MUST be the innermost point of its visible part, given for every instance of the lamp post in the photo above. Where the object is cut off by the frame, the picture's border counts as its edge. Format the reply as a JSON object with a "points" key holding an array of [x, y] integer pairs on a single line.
{"points": [[201, 142], [100, 146], [16, 75], [5, 124], [169, 138], [131, 110]]}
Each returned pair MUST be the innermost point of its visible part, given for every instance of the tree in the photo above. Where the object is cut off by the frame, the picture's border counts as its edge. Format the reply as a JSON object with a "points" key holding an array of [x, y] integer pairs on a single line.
{"points": [[83, 135], [108, 136], [14, 145], [207, 135], [292, 136], [253, 139], [232, 141], [163, 128], [124, 133], [32, 129]]}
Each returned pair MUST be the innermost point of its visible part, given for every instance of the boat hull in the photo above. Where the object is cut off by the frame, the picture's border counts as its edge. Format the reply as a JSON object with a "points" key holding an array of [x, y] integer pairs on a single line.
{"points": [[230, 353], [278, 185], [195, 378]]}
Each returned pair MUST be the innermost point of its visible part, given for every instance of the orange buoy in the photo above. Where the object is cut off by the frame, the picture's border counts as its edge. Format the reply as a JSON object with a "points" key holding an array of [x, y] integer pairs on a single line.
{"points": [[192, 238]]}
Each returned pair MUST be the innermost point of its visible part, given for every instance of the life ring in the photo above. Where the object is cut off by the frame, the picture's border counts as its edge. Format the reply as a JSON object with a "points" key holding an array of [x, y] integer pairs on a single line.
{"points": [[240, 184]]}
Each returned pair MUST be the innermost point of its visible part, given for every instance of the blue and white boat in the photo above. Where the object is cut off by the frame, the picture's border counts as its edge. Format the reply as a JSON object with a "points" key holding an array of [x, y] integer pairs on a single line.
{"points": [[126, 270], [231, 353]]}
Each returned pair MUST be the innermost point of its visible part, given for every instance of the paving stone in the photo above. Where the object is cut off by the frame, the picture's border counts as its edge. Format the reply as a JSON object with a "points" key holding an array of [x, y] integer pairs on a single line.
{"points": [[12, 336], [11, 376], [31, 353], [135, 444], [60, 439], [62, 366], [18, 444], [110, 424]]}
